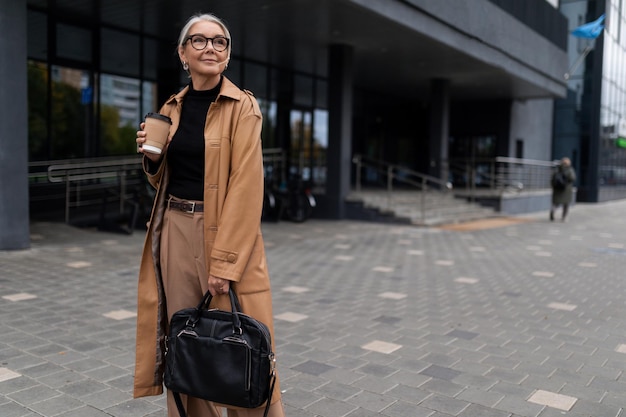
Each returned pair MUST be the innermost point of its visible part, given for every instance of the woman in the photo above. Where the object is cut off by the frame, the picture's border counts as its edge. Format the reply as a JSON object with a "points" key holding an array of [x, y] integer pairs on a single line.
{"points": [[204, 231]]}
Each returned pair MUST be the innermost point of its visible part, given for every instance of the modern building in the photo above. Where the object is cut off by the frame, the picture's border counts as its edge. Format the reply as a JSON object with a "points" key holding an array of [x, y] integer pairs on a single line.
{"points": [[590, 122], [419, 83]]}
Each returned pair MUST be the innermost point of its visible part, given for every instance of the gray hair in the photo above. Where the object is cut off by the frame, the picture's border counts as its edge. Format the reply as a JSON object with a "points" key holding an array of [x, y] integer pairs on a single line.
{"points": [[204, 17]]}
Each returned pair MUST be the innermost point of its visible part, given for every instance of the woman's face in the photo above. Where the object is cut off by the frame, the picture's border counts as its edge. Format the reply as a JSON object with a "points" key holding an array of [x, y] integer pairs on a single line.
{"points": [[207, 64]]}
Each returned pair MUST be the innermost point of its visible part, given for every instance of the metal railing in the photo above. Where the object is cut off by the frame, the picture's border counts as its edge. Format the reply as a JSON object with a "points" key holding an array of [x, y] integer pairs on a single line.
{"points": [[394, 174], [531, 174], [395, 177], [500, 175], [275, 166], [471, 179], [81, 176]]}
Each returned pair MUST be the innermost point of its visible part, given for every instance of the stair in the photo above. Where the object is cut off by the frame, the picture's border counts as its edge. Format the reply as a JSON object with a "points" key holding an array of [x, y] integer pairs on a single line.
{"points": [[406, 207]]}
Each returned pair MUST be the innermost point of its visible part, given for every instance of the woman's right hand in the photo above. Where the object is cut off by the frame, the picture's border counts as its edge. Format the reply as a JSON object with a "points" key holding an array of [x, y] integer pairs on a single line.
{"points": [[141, 139]]}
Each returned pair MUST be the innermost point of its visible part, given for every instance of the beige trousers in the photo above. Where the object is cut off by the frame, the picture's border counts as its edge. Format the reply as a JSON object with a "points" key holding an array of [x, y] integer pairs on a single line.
{"points": [[185, 281]]}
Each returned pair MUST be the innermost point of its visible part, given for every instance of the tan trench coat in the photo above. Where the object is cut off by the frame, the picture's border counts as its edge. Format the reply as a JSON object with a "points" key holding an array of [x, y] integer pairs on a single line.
{"points": [[233, 200]]}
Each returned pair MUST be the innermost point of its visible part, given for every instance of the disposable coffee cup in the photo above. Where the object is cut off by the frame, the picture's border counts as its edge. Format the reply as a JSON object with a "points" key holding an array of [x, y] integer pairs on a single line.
{"points": [[157, 130]]}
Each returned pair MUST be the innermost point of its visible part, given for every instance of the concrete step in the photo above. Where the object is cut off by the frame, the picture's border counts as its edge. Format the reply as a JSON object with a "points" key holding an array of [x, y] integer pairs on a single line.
{"points": [[412, 207]]}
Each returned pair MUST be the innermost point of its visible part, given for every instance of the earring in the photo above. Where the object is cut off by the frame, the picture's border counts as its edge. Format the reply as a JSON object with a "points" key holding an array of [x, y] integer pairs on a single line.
{"points": [[185, 66]]}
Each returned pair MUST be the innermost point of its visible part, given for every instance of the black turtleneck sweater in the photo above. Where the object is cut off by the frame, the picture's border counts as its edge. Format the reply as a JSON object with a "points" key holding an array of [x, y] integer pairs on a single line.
{"points": [[185, 154]]}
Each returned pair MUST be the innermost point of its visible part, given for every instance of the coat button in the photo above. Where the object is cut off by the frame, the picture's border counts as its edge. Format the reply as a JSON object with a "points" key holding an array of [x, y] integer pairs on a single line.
{"points": [[231, 257]]}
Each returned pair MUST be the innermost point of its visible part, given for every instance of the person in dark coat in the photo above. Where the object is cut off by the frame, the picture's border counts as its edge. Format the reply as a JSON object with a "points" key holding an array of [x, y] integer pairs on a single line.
{"points": [[562, 187]]}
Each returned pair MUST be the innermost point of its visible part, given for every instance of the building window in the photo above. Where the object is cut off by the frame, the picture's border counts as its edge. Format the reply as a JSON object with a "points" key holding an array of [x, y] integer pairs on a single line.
{"points": [[73, 43], [303, 91], [121, 110], [37, 36], [119, 53]]}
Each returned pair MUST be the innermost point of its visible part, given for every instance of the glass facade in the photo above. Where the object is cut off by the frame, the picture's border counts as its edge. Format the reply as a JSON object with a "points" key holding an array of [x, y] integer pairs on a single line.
{"points": [[612, 153], [590, 124], [87, 95]]}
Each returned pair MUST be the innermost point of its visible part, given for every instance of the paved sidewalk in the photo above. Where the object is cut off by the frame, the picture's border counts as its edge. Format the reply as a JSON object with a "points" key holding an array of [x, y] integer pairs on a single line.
{"points": [[521, 317]]}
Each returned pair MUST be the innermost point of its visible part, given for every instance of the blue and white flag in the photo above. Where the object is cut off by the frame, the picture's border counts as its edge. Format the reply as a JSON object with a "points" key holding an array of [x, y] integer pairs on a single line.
{"points": [[590, 30]]}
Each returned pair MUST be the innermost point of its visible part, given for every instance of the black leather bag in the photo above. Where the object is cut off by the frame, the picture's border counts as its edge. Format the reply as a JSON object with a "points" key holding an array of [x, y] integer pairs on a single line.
{"points": [[220, 356]]}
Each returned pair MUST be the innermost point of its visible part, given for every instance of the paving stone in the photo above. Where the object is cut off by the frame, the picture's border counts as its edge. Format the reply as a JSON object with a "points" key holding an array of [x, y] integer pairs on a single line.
{"points": [[6, 374], [131, 408], [371, 401], [360, 412], [377, 370], [16, 384], [441, 386], [408, 394], [440, 372], [34, 394], [90, 412], [506, 375], [519, 406], [338, 391], [60, 404], [483, 398], [106, 398], [13, 409], [83, 388], [590, 408], [300, 398], [110, 373], [375, 384], [477, 410], [402, 409], [477, 329], [313, 368], [444, 404], [40, 370], [509, 389]]}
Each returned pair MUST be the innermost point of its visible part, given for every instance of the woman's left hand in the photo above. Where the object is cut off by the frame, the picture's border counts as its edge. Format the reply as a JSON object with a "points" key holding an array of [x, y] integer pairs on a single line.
{"points": [[218, 286]]}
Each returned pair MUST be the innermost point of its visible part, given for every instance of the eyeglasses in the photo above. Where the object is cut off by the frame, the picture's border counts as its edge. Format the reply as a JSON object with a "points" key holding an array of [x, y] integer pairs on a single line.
{"points": [[199, 42]]}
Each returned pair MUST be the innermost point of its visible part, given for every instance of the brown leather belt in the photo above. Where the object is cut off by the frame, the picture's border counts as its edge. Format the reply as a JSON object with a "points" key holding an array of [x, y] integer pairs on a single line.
{"points": [[186, 206]]}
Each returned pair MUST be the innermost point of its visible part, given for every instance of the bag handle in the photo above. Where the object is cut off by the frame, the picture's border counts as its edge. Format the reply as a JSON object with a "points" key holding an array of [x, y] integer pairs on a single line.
{"points": [[206, 301], [234, 301]]}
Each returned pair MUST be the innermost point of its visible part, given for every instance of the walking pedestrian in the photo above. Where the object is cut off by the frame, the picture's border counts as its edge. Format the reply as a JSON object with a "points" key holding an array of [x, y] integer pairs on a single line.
{"points": [[562, 187]]}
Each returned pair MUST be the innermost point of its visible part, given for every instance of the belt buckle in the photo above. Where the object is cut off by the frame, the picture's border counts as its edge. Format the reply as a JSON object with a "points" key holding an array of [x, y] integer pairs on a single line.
{"points": [[193, 206]]}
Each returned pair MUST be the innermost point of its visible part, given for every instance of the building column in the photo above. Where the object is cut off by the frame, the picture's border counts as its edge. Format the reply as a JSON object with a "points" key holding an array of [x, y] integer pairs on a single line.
{"points": [[339, 157], [439, 129], [14, 211]]}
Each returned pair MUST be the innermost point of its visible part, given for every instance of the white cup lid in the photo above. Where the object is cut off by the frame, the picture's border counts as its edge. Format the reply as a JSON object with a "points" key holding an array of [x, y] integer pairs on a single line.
{"points": [[151, 149]]}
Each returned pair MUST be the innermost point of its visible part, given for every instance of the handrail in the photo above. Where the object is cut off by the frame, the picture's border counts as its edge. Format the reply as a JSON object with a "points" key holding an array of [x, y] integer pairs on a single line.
{"points": [[525, 161], [474, 178], [532, 174], [424, 180], [397, 173], [88, 173], [500, 175], [76, 171]]}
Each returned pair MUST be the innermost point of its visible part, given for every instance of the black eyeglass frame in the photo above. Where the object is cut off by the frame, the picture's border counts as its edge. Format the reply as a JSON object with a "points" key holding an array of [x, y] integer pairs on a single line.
{"points": [[188, 38]]}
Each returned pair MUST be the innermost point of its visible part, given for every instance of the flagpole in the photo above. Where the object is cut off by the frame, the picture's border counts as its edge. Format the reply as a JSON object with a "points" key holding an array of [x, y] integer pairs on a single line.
{"points": [[588, 31], [578, 61]]}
